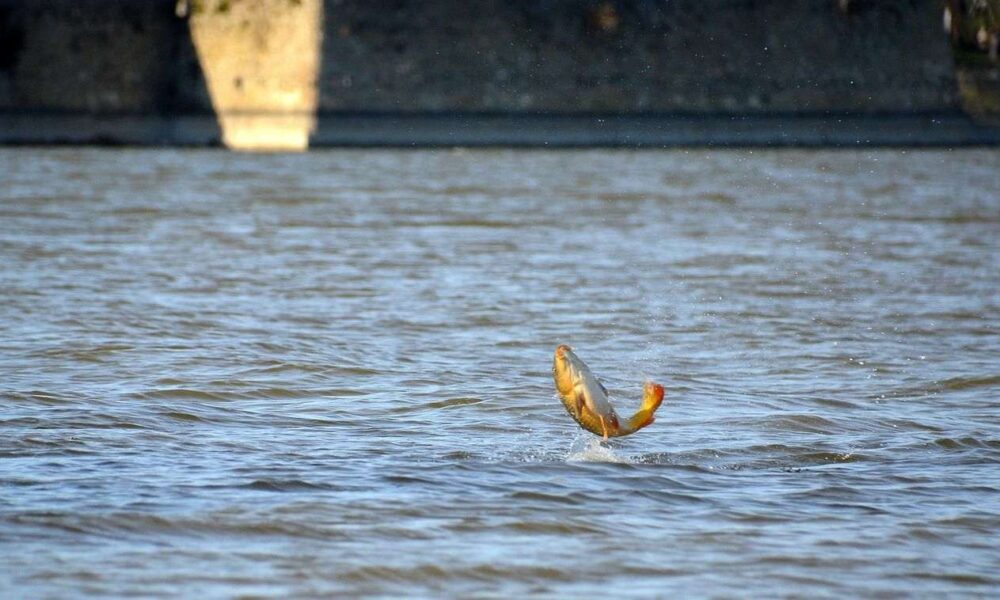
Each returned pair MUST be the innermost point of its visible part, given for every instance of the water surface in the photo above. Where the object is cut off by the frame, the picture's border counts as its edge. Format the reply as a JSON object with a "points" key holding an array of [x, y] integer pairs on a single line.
{"points": [[235, 375]]}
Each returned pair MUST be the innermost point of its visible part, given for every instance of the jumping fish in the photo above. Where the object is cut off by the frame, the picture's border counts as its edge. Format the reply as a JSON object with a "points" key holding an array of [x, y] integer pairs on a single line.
{"points": [[587, 402]]}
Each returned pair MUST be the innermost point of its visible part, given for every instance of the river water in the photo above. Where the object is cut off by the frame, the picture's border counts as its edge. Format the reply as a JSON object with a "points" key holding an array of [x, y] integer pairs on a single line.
{"points": [[328, 374]]}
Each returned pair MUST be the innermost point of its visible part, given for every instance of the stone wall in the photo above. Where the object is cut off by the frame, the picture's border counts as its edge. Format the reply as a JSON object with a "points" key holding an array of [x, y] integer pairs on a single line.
{"points": [[163, 71], [637, 56], [98, 56]]}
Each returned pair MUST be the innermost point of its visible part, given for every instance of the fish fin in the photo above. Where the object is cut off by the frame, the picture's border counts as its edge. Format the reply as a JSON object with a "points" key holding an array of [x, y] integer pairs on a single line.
{"points": [[652, 397]]}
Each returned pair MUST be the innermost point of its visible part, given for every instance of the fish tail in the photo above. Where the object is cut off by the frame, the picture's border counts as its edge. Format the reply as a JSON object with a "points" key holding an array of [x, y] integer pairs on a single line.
{"points": [[652, 397]]}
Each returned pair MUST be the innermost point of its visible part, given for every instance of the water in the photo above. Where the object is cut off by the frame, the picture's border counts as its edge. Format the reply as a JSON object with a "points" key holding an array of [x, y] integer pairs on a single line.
{"points": [[229, 375]]}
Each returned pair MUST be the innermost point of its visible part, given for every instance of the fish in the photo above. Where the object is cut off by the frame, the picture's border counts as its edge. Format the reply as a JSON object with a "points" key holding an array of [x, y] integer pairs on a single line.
{"points": [[586, 399]]}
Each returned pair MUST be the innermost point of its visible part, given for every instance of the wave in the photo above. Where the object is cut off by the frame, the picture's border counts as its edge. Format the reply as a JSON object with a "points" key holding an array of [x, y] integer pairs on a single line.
{"points": [[141, 523], [283, 485], [438, 404]]}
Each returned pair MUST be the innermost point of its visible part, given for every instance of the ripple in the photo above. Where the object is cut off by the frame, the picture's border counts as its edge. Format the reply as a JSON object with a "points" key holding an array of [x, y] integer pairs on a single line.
{"points": [[434, 573], [329, 373], [967, 383], [439, 404], [962, 578], [966, 443], [144, 524], [177, 415], [805, 423], [190, 394], [283, 485], [572, 499], [554, 527]]}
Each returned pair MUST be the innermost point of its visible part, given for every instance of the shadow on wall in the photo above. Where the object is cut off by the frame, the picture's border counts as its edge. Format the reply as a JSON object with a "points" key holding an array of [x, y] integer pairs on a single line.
{"points": [[93, 71]]}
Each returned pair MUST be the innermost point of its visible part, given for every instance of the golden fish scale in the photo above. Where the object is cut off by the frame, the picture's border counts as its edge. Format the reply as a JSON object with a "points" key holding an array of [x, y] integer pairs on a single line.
{"points": [[587, 419]]}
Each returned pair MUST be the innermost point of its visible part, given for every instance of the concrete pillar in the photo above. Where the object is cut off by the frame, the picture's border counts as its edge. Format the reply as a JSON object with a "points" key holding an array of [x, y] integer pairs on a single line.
{"points": [[260, 60]]}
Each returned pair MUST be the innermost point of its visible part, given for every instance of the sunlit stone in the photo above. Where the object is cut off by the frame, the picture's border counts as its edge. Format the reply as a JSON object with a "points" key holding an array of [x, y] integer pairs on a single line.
{"points": [[260, 59]]}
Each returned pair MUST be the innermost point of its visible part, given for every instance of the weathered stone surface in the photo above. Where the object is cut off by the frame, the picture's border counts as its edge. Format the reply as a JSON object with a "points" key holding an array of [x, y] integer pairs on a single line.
{"points": [[652, 56], [90, 56], [96, 62], [260, 59]]}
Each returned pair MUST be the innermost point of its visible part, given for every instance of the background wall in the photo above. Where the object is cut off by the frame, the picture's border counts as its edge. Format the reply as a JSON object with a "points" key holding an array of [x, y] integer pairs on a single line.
{"points": [[639, 55], [128, 70], [98, 56]]}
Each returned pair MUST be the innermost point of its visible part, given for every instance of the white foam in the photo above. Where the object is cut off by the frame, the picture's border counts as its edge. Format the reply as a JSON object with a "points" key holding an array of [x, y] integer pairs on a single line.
{"points": [[591, 449]]}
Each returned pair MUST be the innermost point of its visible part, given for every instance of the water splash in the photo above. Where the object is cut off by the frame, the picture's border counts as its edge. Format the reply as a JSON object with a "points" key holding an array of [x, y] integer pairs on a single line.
{"points": [[591, 449]]}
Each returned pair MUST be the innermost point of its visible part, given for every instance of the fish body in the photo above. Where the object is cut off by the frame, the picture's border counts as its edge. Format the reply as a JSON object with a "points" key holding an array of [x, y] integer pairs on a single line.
{"points": [[587, 401]]}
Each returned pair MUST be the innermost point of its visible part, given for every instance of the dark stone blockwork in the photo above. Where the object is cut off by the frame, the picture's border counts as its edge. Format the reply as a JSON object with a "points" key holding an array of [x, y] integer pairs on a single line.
{"points": [[743, 56], [530, 72]]}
